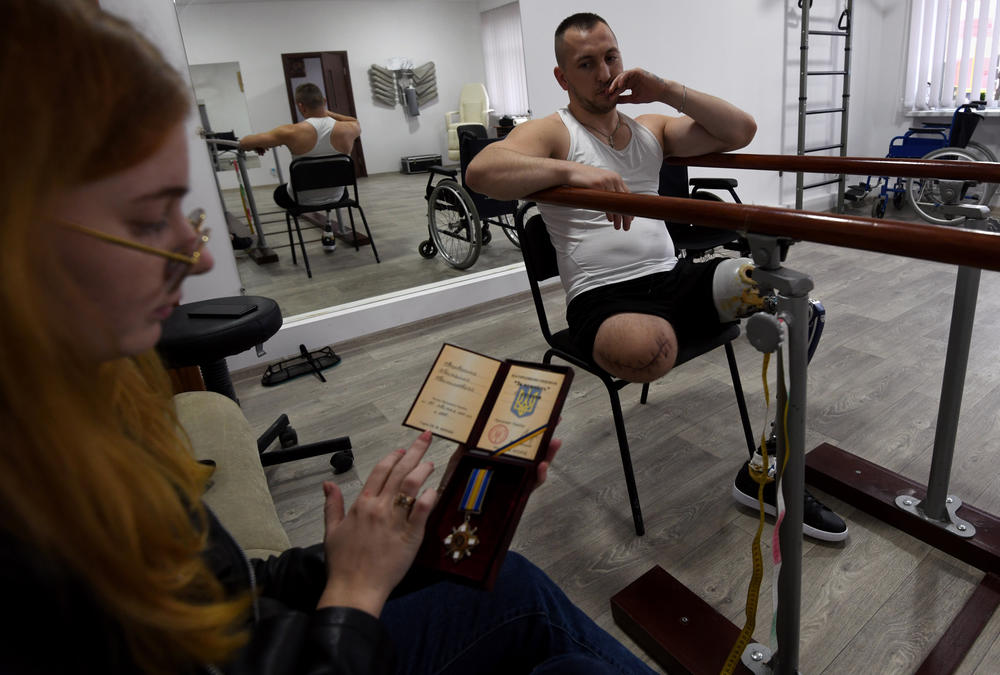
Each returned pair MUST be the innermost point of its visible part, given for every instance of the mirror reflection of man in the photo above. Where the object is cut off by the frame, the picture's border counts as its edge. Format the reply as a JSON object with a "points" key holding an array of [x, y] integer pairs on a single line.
{"points": [[630, 301], [322, 132]]}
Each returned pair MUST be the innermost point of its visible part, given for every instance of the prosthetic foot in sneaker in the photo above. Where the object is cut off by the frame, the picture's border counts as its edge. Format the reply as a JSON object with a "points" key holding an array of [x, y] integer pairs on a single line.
{"points": [[818, 521], [329, 242]]}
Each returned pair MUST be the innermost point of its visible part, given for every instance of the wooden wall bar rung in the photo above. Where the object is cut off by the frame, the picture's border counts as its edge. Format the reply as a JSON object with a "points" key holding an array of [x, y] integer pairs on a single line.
{"points": [[988, 172], [914, 240]]}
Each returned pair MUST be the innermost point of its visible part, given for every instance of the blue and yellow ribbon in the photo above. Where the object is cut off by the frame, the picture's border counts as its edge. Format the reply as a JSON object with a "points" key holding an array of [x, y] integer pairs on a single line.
{"points": [[517, 441], [475, 490]]}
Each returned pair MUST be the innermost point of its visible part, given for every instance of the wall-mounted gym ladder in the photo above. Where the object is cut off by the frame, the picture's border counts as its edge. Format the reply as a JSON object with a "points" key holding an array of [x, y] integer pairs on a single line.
{"points": [[843, 30]]}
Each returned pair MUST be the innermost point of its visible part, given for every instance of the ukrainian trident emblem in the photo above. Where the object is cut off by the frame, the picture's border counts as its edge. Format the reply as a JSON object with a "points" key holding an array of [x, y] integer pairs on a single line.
{"points": [[525, 400]]}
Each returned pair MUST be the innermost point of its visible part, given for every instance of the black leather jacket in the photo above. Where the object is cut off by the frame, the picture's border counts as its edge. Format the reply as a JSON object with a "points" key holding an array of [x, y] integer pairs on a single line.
{"points": [[52, 623]]}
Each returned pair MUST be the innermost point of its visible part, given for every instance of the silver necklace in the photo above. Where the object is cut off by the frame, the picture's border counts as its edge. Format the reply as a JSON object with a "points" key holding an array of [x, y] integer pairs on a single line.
{"points": [[611, 136]]}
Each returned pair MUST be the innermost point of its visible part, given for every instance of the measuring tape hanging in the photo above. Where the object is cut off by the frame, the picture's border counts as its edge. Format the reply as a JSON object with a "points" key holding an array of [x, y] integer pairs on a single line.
{"points": [[753, 590]]}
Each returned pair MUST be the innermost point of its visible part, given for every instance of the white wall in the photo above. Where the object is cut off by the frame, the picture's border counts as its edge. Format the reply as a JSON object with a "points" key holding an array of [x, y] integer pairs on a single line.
{"points": [[257, 33], [746, 51]]}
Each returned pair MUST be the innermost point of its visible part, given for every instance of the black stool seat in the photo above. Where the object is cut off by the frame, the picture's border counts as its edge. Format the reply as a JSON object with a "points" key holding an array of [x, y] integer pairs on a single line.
{"points": [[204, 333]]}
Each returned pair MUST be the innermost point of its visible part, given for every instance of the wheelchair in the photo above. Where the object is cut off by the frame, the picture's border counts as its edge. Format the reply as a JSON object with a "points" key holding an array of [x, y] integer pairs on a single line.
{"points": [[458, 219], [936, 201]]}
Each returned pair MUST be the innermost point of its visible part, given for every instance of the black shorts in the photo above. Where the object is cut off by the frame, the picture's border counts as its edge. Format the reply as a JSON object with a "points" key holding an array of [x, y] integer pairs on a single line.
{"points": [[682, 296]]}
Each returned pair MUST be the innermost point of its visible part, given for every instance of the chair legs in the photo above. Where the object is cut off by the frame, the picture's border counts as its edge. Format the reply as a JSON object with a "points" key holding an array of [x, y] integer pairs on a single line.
{"points": [[633, 492], [302, 245], [741, 402], [354, 233], [291, 242], [623, 446], [619, 419]]}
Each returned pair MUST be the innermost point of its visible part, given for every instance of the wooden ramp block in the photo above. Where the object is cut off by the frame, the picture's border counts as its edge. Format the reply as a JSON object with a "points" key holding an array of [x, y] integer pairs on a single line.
{"points": [[679, 630]]}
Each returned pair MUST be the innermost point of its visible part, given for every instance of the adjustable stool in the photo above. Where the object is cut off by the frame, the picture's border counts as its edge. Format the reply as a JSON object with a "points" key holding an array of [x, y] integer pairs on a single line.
{"points": [[204, 333]]}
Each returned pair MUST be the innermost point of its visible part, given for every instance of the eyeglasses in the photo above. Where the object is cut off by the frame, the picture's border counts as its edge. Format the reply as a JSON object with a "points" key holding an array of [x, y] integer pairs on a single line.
{"points": [[179, 264]]}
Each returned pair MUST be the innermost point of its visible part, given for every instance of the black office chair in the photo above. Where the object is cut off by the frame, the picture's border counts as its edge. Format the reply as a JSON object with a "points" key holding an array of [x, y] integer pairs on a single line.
{"points": [[540, 263], [321, 173], [694, 241], [204, 333]]}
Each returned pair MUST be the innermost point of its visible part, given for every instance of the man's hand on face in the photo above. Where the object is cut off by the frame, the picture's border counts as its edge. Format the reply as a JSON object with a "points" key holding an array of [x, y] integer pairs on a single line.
{"points": [[583, 175], [646, 87]]}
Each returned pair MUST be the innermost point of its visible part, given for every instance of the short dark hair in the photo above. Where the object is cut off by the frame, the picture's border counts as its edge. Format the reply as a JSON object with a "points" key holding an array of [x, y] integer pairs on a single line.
{"points": [[309, 95], [581, 21]]}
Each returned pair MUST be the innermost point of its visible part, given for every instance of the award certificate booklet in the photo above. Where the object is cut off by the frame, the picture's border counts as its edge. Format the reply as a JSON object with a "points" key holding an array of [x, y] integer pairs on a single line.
{"points": [[450, 400], [521, 412], [502, 415]]}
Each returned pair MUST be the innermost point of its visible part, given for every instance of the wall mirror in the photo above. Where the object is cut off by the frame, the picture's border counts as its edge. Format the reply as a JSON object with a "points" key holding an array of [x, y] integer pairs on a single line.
{"points": [[251, 37], [222, 106]]}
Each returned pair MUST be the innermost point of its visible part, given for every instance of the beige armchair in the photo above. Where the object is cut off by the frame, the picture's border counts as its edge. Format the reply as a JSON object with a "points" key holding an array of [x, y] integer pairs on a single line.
{"points": [[473, 108], [238, 495]]}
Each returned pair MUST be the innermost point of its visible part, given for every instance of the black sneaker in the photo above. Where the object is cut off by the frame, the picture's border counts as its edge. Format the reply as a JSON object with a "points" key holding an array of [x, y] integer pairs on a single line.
{"points": [[329, 242], [818, 521], [241, 243]]}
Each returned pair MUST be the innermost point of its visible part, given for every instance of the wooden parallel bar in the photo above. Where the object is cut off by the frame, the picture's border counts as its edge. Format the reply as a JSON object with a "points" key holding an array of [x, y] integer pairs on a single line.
{"points": [[913, 240], [950, 650], [988, 172], [873, 489]]}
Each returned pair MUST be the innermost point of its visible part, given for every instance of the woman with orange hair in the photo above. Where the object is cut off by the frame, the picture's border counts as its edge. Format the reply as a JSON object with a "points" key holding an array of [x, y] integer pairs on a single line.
{"points": [[110, 561]]}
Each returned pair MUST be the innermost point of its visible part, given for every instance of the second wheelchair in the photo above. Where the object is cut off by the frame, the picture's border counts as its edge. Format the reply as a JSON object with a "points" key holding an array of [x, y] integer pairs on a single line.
{"points": [[935, 200], [458, 219]]}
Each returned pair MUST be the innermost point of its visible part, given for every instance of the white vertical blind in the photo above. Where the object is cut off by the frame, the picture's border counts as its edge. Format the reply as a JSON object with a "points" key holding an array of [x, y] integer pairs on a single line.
{"points": [[953, 54], [503, 56]]}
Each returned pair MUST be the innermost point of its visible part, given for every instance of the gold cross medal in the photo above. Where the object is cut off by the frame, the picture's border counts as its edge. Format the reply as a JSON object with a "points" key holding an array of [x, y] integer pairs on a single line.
{"points": [[461, 541]]}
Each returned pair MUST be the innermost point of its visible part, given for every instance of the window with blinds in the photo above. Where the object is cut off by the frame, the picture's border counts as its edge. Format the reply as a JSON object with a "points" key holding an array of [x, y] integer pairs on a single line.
{"points": [[503, 57], [953, 54]]}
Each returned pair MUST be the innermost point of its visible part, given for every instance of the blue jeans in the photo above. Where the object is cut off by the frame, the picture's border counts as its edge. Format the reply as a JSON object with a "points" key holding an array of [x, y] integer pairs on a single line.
{"points": [[525, 625]]}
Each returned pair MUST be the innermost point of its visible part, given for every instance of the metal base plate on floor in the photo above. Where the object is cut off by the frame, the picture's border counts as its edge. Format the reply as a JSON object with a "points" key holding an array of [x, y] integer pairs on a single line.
{"points": [[954, 524]]}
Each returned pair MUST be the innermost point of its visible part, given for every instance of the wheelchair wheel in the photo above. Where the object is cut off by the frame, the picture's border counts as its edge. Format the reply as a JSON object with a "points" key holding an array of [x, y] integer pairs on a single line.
{"points": [[427, 249], [878, 208], [454, 224], [928, 195], [509, 231], [986, 155]]}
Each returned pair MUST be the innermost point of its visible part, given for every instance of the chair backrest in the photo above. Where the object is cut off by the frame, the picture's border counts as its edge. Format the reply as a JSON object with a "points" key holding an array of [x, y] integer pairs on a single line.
{"points": [[471, 140], [470, 131], [694, 240], [539, 262], [322, 172], [473, 103], [674, 183]]}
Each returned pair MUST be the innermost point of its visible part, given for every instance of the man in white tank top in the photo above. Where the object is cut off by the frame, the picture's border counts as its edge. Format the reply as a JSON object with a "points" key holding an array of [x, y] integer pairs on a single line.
{"points": [[629, 300], [321, 132]]}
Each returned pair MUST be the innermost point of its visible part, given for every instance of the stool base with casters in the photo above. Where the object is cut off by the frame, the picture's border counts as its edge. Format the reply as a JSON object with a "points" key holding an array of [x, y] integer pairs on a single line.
{"points": [[204, 333]]}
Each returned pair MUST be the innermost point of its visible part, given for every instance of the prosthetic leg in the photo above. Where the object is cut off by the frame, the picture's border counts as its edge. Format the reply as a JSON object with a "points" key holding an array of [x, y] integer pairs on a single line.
{"points": [[737, 296], [329, 241]]}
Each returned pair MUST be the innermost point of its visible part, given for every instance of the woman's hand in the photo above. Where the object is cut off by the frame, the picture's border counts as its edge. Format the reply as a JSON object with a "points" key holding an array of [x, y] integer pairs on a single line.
{"points": [[369, 550]]}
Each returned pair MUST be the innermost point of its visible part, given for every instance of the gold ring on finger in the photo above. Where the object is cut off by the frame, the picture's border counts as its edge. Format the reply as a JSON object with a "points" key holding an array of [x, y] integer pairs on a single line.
{"points": [[404, 501]]}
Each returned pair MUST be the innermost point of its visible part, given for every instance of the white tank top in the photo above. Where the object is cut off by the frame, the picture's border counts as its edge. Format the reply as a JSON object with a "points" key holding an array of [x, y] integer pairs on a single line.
{"points": [[323, 127], [589, 250]]}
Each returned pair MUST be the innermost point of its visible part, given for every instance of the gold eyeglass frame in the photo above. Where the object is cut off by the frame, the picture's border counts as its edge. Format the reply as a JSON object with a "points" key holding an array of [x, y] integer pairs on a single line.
{"points": [[196, 218]]}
